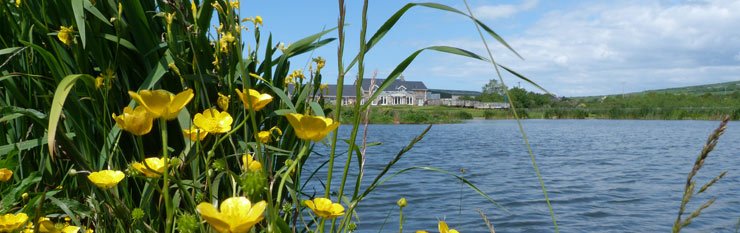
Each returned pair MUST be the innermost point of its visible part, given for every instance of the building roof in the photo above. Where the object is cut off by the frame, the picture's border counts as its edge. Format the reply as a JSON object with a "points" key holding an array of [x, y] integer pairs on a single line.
{"points": [[455, 92], [349, 90], [397, 84]]}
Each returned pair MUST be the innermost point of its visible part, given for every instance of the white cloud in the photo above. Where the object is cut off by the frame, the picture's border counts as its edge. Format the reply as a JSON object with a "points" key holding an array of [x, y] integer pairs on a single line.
{"points": [[503, 10], [603, 47]]}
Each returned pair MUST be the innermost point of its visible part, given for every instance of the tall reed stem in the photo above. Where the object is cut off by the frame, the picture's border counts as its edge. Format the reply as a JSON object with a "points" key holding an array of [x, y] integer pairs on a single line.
{"points": [[166, 179], [518, 121]]}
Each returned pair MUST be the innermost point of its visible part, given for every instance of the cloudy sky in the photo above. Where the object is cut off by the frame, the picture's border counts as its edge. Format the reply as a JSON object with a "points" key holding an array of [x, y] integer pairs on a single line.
{"points": [[571, 48]]}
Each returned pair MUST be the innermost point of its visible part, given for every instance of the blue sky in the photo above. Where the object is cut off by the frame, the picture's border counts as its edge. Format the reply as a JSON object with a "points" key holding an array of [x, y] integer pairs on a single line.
{"points": [[571, 48]]}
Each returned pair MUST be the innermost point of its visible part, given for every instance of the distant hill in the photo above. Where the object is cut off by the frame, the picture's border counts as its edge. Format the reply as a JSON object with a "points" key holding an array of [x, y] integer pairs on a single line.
{"points": [[714, 89]]}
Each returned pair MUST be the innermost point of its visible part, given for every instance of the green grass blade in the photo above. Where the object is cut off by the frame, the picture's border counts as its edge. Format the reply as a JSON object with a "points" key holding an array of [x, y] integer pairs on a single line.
{"points": [[522, 77], [77, 9], [60, 95], [462, 179]]}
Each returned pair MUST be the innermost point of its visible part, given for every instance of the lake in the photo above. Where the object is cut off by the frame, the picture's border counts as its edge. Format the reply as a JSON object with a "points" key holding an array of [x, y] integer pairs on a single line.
{"points": [[601, 175]]}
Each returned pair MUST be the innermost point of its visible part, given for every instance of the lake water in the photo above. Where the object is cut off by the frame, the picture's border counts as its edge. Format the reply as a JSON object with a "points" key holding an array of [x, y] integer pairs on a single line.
{"points": [[601, 175]]}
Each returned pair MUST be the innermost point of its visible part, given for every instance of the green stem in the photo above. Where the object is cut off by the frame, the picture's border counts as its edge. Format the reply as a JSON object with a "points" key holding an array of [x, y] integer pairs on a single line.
{"points": [[518, 121], [400, 220], [166, 179], [338, 100]]}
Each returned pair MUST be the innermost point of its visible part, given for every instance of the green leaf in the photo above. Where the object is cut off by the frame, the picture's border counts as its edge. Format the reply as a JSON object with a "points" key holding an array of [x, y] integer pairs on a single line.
{"points": [[9, 50], [388, 25], [523, 78], [26, 145], [95, 12], [317, 110], [305, 42], [60, 95], [123, 42], [77, 9]]}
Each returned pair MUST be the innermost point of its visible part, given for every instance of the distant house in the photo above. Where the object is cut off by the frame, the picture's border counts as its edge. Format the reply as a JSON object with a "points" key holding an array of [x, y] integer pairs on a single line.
{"points": [[454, 98], [452, 94], [399, 92]]}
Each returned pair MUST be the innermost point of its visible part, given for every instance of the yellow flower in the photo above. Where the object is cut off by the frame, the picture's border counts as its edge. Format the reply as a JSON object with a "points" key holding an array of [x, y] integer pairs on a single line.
{"points": [[89, 230], [237, 214], [324, 207], [168, 17], [99, 81], [420, 231], [155, 167], [443, 228], [251, 164], [258, 100], [223, 101], [17, 3], [320, 62], [106, 179], [161, 103], [312, 128], [225, 41], [12, 222], [193, 8], [136, 121], [264, 136], [213, 121], [234, 4], [401, 202], [65, 35], [46, 225], [257, 20], [195, 133], [5, 174]]}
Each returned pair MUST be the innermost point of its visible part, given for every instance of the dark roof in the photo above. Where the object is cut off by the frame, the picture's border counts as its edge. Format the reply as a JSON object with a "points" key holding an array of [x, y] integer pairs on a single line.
{"points": [[348, 90], [409, 85], [455, 92]]}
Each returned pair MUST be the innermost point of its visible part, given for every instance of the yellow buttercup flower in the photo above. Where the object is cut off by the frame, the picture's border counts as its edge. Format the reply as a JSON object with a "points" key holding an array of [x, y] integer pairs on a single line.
{"points": [[195, 133], [106, 179], [237, 214], [443, 228], [155, 167], [213, 121], [264, 136], [99, 81], [161, 103], [251, 164], [312, 128], [12, 222], [324, 207], [258, 100], [46, 225], [5, 174], [136, 121], [17, 3], [65, 35], [223, 101]]}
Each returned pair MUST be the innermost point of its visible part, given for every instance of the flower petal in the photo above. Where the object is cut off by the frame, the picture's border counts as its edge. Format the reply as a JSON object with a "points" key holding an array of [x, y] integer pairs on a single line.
{"points": [[213, 217]]}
